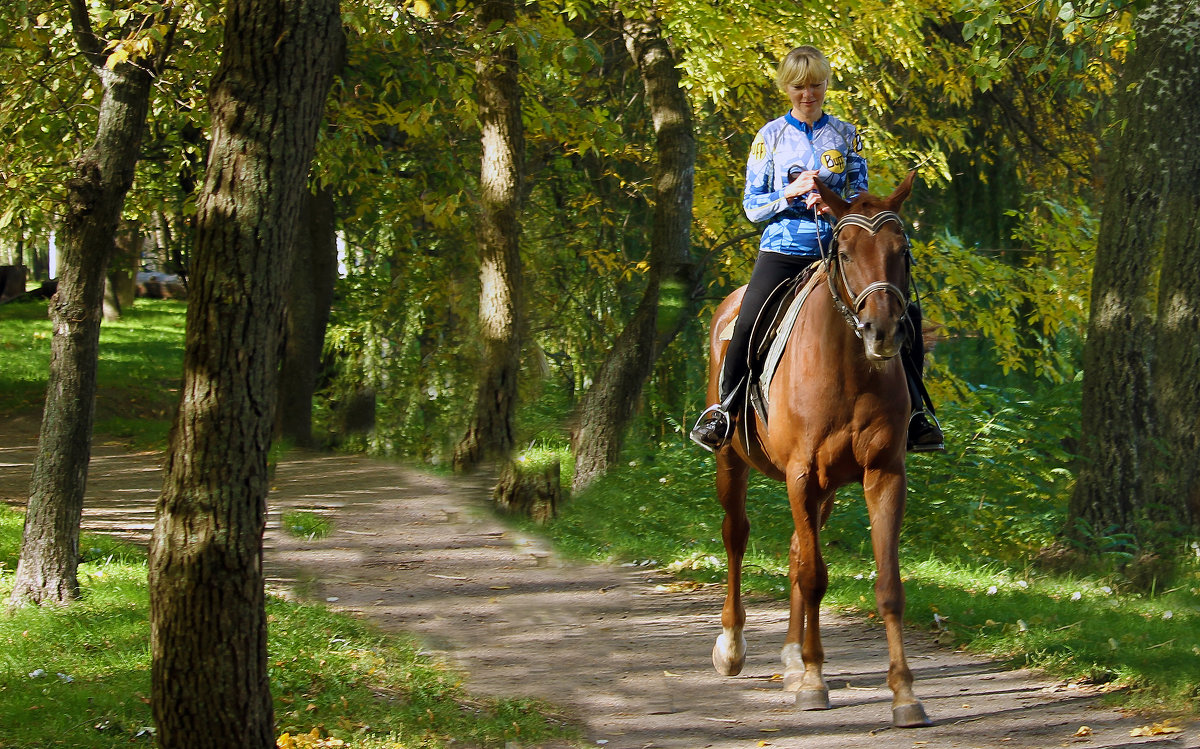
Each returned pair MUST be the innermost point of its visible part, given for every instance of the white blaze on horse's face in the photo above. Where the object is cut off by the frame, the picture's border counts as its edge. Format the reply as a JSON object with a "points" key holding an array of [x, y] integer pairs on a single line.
{"points": [[875, 275]]}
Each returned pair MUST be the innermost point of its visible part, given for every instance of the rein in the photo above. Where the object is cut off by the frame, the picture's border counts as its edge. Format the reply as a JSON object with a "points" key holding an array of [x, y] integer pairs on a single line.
{"points": [[850, 311]]}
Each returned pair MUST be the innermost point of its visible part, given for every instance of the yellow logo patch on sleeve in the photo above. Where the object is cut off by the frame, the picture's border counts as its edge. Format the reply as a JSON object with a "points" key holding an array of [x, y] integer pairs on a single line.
{"points": [[758, 149], [834, 161]]}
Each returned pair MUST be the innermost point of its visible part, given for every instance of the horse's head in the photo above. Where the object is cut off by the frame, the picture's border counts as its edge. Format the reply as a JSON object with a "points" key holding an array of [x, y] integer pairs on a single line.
{"points": [[868, 267]]}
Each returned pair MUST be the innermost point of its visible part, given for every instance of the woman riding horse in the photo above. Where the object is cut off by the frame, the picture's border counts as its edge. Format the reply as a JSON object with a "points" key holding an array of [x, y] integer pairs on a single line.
{"points": [[787, 156]]}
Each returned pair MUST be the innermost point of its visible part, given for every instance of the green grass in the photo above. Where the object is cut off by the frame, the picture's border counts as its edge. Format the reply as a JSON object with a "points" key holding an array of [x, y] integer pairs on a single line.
{"points": [[80, 676], [138, 373], [977, 518], [306, 524]]}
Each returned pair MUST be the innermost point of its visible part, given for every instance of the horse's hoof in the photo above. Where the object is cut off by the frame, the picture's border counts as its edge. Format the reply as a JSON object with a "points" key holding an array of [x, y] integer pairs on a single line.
{"points": [[791, 681], [812, 699], [910, 716], [729, 657]]}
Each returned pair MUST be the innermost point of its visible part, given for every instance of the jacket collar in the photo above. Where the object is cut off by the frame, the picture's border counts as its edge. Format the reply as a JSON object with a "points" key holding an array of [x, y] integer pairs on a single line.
{"points": [[803, 126]]}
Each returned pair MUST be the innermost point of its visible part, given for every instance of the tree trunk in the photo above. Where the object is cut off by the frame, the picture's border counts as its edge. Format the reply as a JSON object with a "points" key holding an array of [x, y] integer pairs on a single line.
{"points": [[120, 281], [1174, 482], [1118, 415], [47, 570], [208, 628], [533, 492], [501, 303], [607, 407], [309, 297]]}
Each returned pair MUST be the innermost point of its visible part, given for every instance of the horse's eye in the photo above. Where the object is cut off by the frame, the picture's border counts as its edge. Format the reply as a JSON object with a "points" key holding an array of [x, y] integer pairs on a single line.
{"points": [[844, 257]]}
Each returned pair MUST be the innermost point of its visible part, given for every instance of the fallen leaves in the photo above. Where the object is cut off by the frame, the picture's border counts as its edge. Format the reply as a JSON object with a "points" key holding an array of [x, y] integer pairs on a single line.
{"points": [[1157, 729], [310, 740]]}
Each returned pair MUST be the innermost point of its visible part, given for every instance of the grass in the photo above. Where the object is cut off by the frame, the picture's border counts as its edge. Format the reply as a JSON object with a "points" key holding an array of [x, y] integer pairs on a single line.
{"points": [[976, 519], [137, 378], [306, 524], [80, 676]]}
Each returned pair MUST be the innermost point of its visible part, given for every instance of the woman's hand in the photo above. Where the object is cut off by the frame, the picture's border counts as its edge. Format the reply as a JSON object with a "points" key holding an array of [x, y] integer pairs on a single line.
{"points": [[804, 186]]}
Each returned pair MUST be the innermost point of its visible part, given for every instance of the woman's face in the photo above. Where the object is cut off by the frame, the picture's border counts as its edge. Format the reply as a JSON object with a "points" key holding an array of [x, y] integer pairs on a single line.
{"points": [[807, 100]]}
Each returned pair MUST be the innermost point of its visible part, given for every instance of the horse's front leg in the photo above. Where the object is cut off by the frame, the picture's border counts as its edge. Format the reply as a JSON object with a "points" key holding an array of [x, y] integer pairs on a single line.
{"points": [[729, 652], [885, 493], [803, 655]]}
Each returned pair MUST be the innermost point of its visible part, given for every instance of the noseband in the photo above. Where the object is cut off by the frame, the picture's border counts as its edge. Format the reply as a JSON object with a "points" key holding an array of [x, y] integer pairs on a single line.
{"points": [[850, 311]]}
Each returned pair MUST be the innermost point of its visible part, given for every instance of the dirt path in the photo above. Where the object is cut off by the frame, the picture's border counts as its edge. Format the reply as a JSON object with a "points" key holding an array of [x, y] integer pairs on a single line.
{"points": [[624, 650]]}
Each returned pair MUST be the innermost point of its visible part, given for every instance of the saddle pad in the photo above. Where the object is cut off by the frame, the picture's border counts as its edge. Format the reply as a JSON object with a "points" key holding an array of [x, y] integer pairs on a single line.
{"points": [[726, 333]]}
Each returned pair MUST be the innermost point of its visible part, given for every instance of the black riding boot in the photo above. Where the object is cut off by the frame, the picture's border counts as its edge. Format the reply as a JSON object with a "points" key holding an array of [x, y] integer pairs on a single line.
{"points": [[924, 431]]}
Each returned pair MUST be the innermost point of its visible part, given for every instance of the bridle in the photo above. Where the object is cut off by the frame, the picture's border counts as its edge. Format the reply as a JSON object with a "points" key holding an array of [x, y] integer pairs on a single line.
{"points": [[830, 263]]}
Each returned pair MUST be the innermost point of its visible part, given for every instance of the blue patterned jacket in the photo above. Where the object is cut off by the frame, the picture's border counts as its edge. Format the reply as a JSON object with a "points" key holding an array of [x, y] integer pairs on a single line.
{"points": [[787, 144]]}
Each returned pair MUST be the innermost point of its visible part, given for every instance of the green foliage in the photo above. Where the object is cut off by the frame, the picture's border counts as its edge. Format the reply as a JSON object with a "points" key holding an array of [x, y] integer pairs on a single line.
{"points": [[1025, 308], [999, 494], [80, 676]]}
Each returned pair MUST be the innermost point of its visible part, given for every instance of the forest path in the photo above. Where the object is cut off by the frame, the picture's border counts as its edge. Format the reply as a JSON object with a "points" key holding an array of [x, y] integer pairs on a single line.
{"points": [[624, 650]]}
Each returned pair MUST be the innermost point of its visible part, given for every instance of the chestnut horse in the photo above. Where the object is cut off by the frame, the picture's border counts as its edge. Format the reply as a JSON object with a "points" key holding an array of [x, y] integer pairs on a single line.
{"points": [[838, 413]]}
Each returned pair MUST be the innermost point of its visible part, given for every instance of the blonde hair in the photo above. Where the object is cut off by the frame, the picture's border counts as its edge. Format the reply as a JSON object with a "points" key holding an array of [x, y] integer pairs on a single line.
{"points": [[803, 66]]}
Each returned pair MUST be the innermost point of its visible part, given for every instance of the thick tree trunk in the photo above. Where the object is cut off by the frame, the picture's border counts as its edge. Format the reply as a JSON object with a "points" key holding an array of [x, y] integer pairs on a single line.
{"points": [[1174, 479], [309, 297], [208, 628], [1118, 415], [534, 492], [606, 409], [47, 571], [501, 303]]}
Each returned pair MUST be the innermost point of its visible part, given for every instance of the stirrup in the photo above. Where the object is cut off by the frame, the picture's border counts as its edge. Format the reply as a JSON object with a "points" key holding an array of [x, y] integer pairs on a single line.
{"points": [[709, 415], [934, 429]]}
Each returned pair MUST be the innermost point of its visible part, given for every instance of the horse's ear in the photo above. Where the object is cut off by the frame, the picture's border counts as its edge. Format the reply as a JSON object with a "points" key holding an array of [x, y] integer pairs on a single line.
{"points": [[832, 199], [901, 193]]}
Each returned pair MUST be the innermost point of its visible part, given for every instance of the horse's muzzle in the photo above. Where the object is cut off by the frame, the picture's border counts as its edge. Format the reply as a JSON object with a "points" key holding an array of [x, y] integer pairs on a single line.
{"points": [[880, 342]]}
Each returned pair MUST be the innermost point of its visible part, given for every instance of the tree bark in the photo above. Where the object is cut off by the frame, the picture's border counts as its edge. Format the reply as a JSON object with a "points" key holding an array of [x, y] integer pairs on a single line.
{"points": [[501, 304], [309, 297], [1174, 482], [48, 568], [1118, 411], [208, 628], [607, 407]]}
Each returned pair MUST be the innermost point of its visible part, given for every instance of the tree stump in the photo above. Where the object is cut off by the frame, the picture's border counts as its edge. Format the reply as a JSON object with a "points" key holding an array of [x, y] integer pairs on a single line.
{"points": [[533, 491]]}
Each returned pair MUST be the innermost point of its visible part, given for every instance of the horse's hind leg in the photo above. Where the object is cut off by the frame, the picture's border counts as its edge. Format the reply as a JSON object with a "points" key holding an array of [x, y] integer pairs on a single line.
{"points": [[803, 655], [729, 652], [885, 493]]}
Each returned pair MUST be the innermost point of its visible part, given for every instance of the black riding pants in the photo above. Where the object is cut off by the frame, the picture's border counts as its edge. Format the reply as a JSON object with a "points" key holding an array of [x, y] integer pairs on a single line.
{"points": [[770, 270]]}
